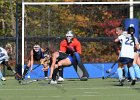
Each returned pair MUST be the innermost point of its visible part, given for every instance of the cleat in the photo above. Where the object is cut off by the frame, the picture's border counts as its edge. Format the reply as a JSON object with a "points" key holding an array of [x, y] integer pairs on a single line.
{"points": [[46, 78], [3, 79], [121, 82], [19, 81], [133, 82], [60, 79], [52, 82], [85, 78], [128, 80]]}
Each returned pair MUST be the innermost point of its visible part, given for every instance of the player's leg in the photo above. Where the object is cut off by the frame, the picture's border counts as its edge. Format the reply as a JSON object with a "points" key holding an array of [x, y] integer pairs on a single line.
{"points": [[60, 76], [5, 63], [132, 72], [54, 76], [120, 71], [120, 75], [26, 69], [46, 74], [61, 72], [136, 67], [46, 67], [64, 62], [81, 65], [0, 77], [126, 73]]}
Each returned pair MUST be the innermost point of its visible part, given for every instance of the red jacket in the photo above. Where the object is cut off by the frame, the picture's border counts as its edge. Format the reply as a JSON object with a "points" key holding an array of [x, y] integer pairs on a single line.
{"points": [[75, 44]]}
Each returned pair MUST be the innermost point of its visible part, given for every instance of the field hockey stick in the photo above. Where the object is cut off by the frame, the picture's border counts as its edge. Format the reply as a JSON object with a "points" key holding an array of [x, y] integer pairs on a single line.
{"points": [[110, 75], [110, 69], [16, 74], [33, 68], [27, 82]]}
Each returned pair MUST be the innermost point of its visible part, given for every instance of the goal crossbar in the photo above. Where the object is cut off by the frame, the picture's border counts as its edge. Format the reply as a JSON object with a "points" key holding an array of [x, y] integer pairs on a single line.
{"points": [[82, 3]]}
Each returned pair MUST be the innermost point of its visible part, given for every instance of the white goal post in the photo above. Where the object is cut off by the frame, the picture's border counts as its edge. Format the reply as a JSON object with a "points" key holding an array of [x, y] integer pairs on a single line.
{"points": [[131, 3]]}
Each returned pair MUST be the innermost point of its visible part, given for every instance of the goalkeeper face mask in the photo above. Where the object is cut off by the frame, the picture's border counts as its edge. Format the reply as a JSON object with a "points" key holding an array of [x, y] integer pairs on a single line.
{"points": [[36, 48], [69, 36]]}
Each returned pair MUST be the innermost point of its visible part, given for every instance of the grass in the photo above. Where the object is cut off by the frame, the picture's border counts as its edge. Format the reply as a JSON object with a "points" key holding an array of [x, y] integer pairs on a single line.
{"points": [[70, 89]]}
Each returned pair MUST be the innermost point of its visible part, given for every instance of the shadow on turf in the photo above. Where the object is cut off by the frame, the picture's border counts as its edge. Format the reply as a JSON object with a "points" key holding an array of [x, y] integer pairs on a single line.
{"points": [[116, 85], [73, 80], [137, 89]]}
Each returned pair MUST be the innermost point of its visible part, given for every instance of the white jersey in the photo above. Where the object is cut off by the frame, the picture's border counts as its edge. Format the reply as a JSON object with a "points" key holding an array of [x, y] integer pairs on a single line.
{"points": [[3, 55], [127, 46]]}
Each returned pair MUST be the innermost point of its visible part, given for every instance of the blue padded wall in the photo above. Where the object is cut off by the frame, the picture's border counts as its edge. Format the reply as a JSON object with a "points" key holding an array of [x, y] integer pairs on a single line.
{"points": [[95, 70]]}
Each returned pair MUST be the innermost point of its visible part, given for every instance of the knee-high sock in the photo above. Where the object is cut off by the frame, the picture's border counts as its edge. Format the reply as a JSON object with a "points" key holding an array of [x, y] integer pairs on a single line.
{"points": [[137, 70], [132, 73], [61, 72], [45, 73], [120, 73], [127, 75], [25, 71], [1, 74], [55, 74]]}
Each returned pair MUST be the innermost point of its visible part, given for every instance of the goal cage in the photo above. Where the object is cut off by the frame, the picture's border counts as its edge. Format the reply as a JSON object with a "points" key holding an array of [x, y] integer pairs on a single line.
{"points": [[93, 23]]}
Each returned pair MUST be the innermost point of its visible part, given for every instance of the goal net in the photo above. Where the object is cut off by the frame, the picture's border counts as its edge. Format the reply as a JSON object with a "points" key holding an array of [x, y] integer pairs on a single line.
{"points": [[93, 23]]}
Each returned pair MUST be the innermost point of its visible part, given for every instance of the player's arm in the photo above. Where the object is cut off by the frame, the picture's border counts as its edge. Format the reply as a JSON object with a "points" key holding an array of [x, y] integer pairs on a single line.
{"points": [[136, 44], [78, 47], [62, 46], [42, 50], [116, 40], [32, 59], [45, 62], [46, 66]]}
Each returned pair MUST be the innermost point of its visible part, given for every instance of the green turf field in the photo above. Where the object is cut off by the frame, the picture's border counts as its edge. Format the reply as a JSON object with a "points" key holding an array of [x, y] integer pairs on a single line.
{"points": [[70, 89]]}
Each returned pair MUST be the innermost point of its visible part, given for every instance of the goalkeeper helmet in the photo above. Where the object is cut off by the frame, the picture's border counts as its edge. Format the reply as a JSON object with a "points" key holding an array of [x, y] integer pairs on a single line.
{"points": [[69, 36]]}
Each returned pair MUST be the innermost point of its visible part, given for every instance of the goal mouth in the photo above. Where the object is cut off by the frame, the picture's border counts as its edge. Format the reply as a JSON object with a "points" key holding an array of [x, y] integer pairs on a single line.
{"points": [[24, 4]]}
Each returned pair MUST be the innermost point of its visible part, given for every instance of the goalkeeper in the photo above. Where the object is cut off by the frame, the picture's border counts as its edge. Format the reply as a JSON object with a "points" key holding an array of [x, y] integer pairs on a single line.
{"points": [[72, 46]]}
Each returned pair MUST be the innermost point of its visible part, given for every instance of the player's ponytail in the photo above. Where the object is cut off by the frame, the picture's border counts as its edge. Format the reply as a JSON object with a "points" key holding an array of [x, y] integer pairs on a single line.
{"points": [[131, 31]]}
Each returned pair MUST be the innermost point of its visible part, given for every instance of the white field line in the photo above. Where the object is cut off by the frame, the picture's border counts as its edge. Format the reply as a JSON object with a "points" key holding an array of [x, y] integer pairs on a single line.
{"points": [[74, 96], [92, 95]]}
